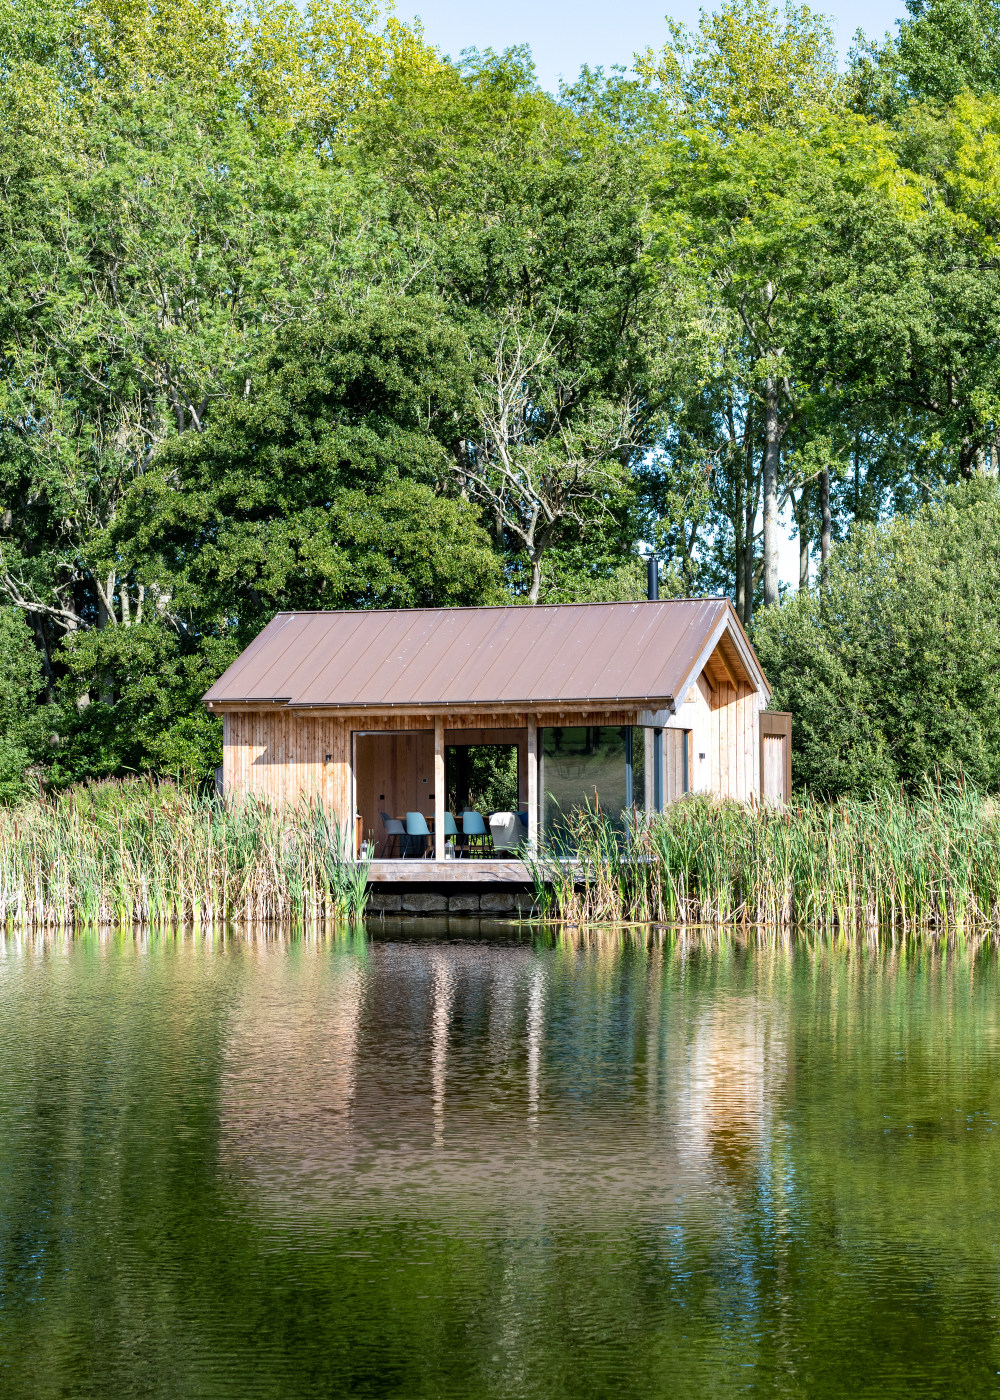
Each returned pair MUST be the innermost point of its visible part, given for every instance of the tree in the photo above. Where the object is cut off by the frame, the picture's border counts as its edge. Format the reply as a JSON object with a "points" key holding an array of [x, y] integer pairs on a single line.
{"points": [[944, 48], [534, 228], [890, 671], [22, 722], [319, 487], [763, 214]]}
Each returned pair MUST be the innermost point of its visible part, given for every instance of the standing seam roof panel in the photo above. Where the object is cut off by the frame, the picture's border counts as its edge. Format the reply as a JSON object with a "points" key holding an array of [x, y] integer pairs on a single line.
{"points": [[474, 656]]}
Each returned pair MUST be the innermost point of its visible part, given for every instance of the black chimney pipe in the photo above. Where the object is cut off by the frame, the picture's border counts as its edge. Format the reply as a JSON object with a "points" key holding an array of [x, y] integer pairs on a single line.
{"points": [[652, 578]]}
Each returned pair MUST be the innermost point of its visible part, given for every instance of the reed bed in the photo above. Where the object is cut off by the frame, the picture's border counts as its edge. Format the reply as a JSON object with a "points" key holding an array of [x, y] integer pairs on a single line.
{"points": [[893, 862], [155, 855]]}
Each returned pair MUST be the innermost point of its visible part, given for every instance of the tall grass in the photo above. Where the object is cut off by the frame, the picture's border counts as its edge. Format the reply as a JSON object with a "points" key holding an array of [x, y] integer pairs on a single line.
{"points": [[156, 855], [889, 863]]}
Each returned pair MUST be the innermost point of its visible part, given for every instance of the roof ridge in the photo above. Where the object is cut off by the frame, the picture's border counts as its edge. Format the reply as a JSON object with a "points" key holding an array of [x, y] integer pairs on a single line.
{"points": [[498, 607]]}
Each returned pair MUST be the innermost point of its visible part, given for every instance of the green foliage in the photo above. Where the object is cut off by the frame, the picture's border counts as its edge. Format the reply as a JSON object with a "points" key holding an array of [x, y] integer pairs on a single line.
{"points": [[294, 313], [143, 713], [318, 487], [950, 46], [22, 720], [890, 672]]}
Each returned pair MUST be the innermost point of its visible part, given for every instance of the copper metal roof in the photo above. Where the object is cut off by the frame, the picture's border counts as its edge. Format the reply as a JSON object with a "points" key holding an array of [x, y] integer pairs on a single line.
{"points": [[459, 657]]}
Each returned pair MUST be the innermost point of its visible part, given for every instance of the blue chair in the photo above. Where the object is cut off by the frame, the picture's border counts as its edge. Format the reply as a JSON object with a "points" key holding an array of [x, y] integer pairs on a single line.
{"points": [[474, 830], [450, 828], [394, 831], [418, 832]]}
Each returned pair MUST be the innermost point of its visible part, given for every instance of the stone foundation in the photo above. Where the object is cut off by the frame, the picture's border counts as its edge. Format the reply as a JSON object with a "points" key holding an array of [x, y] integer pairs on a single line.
{"points": [[509, 903]]}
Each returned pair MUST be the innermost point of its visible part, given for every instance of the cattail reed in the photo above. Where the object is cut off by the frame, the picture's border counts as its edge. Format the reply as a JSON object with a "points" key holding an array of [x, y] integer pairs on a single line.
{"points": [[889, 863], [155, 855]]}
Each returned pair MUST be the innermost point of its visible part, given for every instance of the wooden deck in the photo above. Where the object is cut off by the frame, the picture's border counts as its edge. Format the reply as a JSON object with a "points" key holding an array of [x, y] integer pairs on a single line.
{"points": [[448, 872]]}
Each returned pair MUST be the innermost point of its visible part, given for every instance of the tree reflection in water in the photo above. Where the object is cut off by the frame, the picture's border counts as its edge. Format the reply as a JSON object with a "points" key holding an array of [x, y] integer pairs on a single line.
{"points": [[416, 1167]]}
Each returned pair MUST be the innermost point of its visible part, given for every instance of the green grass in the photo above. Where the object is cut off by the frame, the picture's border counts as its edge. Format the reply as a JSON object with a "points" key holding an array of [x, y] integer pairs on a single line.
{"points": [[155, 854], [888, 863]]}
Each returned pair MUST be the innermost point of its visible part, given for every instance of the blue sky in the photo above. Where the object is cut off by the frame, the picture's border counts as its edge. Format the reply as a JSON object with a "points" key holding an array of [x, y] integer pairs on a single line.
{"points": [[563, 34]]}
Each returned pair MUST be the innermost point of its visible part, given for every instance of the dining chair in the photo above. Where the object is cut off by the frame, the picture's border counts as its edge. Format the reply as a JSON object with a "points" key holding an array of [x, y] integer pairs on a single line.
{"points": [[503, 830], [474, 829], [394, 831], [418, 831], [450, 829]]}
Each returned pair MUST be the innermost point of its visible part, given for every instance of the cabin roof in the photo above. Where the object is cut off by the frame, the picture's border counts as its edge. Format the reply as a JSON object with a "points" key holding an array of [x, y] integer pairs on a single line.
{"points": [[573, 653]]}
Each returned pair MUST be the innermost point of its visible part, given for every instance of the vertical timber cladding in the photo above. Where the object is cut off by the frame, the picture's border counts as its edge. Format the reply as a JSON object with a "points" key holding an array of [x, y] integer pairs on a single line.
{"points": [[282, 758], [734, 729], [734, 753], [677, 764], [776, 755]]}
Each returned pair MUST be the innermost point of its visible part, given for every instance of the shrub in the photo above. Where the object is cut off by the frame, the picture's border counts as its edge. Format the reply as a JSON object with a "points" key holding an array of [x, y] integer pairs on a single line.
{"points": [[892, 672]]}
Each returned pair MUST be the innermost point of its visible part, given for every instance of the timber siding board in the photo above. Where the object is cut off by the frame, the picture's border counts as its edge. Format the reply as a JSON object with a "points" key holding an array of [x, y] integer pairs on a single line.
{"points": [[776, 725]]}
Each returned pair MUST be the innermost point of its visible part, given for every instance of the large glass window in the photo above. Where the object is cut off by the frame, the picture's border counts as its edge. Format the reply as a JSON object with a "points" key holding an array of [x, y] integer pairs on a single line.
{"points": [[592, 765]]}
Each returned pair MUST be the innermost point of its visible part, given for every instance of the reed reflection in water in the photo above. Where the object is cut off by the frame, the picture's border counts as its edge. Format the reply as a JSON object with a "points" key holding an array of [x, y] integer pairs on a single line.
{"points": [[417, 1166]]}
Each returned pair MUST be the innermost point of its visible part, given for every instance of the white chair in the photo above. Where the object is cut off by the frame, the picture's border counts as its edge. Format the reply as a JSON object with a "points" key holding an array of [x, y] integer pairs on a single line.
{"points": [[508, 831]]}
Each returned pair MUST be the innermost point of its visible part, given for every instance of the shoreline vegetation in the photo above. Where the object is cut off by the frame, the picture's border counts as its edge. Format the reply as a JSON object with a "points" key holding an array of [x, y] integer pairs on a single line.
{"points": [[886, 864], [157, 855]]}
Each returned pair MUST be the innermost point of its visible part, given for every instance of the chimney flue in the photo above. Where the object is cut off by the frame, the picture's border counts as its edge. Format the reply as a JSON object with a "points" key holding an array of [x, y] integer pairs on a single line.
{"points": [[652, 578]]}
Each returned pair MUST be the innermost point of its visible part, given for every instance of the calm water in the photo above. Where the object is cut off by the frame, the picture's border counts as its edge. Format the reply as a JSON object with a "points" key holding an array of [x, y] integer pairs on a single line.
{"points": [[417, 1167]]}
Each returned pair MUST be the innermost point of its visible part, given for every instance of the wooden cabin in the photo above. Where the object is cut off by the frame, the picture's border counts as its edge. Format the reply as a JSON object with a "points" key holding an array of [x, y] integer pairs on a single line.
{"points": [[634, 703]]}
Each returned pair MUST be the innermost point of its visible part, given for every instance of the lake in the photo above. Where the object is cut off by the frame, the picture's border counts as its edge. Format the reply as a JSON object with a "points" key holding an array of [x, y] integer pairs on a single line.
{"points": [[459, 1161]]}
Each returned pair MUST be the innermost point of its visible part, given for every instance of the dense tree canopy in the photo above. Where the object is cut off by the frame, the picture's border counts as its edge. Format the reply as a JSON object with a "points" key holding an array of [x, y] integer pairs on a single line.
{"points": [[296, 313], [891, 669]]}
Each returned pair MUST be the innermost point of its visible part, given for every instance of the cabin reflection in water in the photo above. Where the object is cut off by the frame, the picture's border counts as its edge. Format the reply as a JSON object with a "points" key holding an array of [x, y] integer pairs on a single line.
{"points": [[736, 1062], [486, 1079]]}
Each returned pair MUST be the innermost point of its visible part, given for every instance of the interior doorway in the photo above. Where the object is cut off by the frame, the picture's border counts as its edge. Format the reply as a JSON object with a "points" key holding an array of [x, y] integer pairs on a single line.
{"points": [[482, 777], [486, 770]]}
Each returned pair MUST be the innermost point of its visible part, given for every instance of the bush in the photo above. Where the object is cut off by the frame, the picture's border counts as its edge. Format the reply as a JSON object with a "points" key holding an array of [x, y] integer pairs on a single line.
{"points": [[893, 671]]}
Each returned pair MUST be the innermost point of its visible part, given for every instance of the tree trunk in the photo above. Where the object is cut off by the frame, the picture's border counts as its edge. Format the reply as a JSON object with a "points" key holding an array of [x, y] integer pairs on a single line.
{"points": [[536, 577], [739, 560], [50, 675], [800, 509], [825, 528], [772, 449], [748, 561], [967, 459]]}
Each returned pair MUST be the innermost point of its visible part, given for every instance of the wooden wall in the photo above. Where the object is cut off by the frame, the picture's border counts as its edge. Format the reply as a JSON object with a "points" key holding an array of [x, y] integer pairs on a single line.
{"points": [[733, 738], [776, 756], [676, 776], [734, 741], [721, 715], [281, 756]]}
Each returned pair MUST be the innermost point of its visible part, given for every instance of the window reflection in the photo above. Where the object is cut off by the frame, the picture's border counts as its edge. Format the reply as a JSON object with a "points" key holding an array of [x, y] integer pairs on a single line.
{"points": [[600, 766]]}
